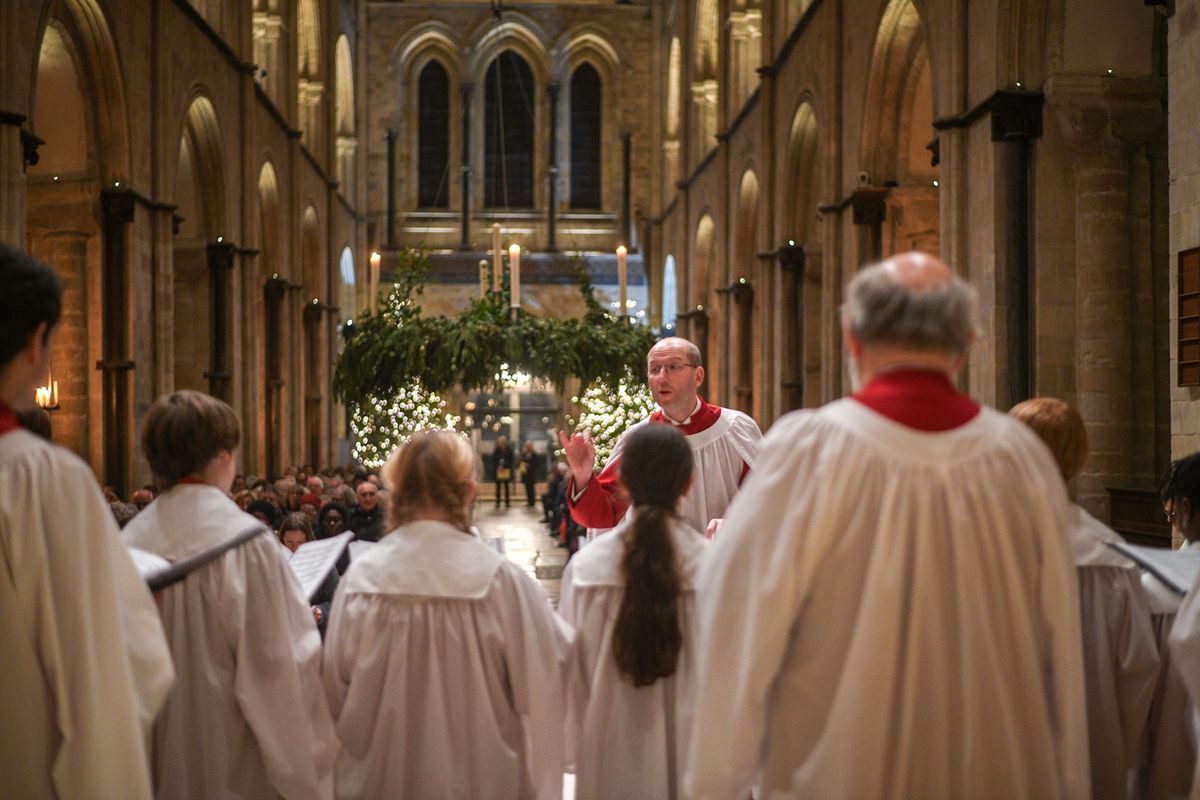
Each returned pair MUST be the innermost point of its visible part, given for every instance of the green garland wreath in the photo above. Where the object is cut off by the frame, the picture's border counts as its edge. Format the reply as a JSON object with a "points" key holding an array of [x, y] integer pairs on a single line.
{"points": [[400, 345]]}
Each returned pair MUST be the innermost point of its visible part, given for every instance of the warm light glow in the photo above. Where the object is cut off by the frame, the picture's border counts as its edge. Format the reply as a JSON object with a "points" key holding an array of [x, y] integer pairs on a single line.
{"points": [[47, 396]]}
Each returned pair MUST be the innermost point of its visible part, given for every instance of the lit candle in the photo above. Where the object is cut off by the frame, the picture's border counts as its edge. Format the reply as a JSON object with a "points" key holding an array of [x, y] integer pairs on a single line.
{"points": [[497, 269], [621, 281], [483, 277], [514, 279], [373, 282]]}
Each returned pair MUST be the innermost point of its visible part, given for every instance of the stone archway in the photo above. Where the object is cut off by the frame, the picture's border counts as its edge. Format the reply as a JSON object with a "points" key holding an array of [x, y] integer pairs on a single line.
{"points": [[78, 110], [897, 126]]}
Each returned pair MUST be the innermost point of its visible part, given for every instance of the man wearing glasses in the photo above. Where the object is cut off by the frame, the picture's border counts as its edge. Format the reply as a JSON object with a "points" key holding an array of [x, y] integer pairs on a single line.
{"points": [[724, 444]]}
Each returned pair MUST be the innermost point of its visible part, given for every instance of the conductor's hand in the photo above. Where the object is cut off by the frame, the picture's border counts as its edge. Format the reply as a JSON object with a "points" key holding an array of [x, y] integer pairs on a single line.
{"points": [[581, 456]]}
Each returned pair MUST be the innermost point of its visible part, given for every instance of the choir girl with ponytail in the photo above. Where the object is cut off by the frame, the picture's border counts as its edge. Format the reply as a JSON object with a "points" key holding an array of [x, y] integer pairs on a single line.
{"points": [[630, 596]]}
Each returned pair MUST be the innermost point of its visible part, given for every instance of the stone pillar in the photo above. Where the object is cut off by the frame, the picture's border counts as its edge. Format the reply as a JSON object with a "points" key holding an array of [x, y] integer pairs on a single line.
{"points": [[791, 264], [1104, 120], [552, 170], [465, 167], [12, 180], [116, 364], [220, 279]]}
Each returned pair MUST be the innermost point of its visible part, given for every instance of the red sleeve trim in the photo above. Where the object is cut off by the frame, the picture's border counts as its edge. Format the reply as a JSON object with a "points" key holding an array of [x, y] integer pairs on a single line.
{"points": [[602, 504]]}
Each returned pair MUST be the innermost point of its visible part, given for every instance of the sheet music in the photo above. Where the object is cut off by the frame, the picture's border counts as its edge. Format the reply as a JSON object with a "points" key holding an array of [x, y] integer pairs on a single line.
{"points": [[312, 561], [1175, 568]]}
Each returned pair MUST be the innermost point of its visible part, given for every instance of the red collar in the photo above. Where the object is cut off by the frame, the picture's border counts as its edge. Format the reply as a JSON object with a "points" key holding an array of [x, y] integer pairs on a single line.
{"points": [[919, 398], [191, 479], [701, 420], [8, 418]]}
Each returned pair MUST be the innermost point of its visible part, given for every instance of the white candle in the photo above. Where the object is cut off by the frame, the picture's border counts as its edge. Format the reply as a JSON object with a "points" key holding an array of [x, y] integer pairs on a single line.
{"points": [[483, 277], [621, 281], [514, 279], [373, 282], [497, 270]]}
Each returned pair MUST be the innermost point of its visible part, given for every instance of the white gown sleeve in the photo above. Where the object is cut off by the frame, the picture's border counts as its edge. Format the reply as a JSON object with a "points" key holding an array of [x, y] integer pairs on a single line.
{"points": [[747, 593], [278, 675], [103, 651], [1184, 643], [538, 645]]}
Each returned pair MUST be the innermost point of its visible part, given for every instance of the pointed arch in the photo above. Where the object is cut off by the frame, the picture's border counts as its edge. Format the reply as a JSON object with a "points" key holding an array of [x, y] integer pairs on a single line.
{"points": [[433, 135], [202, 134], [510, 103], [800, 201], [587, 103]]}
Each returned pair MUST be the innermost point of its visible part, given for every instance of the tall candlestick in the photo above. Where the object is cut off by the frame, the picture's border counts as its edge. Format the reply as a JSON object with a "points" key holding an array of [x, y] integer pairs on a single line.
{"points": [[497, 270], [514, 278], [621, 281], [483, 278], [373, 282]]}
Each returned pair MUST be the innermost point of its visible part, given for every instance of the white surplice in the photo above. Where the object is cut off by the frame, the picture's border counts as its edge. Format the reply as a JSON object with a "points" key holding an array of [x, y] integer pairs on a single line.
{"points": [[444, 672], [248, 717], [1169, 749], [1184, 645], [891, 613], [627, 741], [1120, 653], [86, 666]]}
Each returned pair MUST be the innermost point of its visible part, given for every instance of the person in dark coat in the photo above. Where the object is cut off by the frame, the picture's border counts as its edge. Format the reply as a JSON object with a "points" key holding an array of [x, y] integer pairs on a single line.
{"points": [[529, 472], [502, 464], [366, 520]]}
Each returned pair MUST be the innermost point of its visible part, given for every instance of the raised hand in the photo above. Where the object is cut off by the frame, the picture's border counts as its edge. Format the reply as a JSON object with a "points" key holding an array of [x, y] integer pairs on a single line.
{"points": [[581, 455]]}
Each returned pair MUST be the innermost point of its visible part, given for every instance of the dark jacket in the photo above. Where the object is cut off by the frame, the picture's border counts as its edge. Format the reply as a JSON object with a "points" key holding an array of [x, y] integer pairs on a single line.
{"points": [[367, 525], [502, 457]]}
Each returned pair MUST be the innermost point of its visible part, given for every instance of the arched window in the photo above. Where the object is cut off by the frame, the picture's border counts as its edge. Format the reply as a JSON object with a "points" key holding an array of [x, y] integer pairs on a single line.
{"points": [[585, 137], [508, 133], [433, 136], [670, 301]]}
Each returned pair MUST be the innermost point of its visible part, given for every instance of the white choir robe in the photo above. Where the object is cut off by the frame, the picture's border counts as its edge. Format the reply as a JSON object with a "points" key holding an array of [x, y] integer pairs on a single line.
{"points": [[1120, 653], [721, 454], [891, 613], [1169, 749], [444, 670], [86, 665], [625, 741], [248, 717], [1185, 651]]}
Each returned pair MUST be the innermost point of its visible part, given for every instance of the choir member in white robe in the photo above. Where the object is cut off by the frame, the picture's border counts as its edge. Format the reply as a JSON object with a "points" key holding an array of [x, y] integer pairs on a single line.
{"points": [[86, 666], [890, 609], [724, 444], [248, 717], [1120, 652], [1170, 748], [1185, 650], [630, 596], [443, 660]]}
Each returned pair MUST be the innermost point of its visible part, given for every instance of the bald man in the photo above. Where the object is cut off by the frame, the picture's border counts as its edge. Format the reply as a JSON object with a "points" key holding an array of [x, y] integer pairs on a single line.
{"points": [[890, 609], [724, 445]]}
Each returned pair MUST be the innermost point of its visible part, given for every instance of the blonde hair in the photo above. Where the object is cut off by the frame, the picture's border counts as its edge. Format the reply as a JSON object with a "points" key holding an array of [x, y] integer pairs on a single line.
{"points": [[1060, 427], [432, 470]]}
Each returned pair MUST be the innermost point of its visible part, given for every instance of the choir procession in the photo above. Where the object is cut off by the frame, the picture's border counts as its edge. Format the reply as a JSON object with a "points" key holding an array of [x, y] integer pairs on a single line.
{"points": [[600, 399], [895, 598]]}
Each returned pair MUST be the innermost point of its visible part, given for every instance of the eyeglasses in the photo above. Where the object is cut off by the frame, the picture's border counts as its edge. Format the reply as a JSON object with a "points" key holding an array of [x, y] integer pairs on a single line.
{"points": [[673, 368]]}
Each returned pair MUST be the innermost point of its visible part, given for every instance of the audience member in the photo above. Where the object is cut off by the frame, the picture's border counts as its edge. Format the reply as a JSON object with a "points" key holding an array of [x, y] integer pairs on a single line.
{"points": [[529, 472], [294, 531], [366, 520]]}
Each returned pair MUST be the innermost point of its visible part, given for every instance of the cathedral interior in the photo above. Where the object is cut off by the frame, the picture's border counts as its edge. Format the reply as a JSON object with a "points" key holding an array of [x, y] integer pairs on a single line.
{"points": [[211, 177]]}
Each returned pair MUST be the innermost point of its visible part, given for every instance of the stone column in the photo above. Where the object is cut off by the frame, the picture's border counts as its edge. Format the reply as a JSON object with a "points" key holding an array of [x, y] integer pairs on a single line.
{"points": [[12, 180], [1104, 120], [116, 363], [220, 279]]}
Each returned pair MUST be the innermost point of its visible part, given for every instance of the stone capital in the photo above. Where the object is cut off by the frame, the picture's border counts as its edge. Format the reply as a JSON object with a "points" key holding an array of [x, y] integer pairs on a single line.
{"points": [[1103, 111]]}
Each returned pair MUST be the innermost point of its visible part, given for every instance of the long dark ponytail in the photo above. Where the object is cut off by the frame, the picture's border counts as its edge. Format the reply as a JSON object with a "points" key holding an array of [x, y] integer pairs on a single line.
{"points": [[655, 466]]}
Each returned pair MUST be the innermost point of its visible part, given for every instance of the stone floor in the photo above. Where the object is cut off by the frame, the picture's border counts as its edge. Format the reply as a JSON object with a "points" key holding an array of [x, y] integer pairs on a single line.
{"points": [[527, 542]]}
